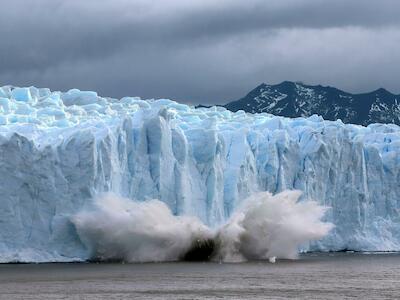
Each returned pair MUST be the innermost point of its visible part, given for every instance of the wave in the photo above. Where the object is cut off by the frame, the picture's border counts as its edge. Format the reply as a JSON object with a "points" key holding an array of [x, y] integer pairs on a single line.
{"points": [[265, 226]]}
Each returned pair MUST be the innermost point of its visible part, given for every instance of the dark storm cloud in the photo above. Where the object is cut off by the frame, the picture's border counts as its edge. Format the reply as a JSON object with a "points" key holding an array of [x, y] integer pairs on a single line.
{"points": [[198, 51]]}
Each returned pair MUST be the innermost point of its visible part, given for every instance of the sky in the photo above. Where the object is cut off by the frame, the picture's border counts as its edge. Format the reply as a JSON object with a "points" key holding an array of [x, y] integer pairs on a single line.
{"points": [[199, 51]]}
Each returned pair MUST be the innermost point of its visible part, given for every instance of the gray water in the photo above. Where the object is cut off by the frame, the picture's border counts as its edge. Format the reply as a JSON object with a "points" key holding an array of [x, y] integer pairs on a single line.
{"points": [[319, 276]]}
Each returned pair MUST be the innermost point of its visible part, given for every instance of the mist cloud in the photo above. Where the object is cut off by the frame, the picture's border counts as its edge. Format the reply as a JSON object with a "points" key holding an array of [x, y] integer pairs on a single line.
{"points": [[199, 51]]}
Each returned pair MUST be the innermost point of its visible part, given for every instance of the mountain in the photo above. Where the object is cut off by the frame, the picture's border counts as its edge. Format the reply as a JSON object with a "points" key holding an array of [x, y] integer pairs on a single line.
{"points": [[292, 99]]}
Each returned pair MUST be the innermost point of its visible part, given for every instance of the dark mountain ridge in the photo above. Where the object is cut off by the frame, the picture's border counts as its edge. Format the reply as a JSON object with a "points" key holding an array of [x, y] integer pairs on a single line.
{"points": [[292, 99]]}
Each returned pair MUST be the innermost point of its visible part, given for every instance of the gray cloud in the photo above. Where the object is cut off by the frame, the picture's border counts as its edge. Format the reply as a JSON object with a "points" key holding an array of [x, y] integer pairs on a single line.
{"points": [[199, 51]]}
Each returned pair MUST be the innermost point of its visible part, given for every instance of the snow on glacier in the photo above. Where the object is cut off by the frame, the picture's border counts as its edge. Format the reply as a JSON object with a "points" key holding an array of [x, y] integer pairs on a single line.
{"points": [[59, 150]]}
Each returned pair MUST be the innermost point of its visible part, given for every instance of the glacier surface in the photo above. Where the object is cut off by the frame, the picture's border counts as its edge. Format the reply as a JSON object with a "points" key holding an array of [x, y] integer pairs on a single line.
{"points": [[59, 150]]}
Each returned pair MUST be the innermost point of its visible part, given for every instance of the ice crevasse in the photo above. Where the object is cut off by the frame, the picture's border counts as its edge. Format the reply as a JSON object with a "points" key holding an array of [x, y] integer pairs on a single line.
{"points": [[59, 150]]}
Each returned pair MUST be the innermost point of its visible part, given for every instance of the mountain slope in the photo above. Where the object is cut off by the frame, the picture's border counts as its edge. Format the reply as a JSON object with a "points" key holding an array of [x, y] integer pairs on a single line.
{"points": [[291, 99]]}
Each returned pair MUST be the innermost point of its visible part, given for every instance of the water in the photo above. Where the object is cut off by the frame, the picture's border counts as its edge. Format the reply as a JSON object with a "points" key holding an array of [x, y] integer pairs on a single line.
{"points": [[318, 276]]}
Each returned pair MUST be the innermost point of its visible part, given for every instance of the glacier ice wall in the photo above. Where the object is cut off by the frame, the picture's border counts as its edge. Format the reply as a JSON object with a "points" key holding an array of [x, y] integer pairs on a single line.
{"points": [[59, 150]]}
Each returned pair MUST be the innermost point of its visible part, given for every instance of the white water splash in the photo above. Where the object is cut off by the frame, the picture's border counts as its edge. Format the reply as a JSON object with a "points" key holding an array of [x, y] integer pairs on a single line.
{"points": [[127, 230], [264, 227], [269, 227]]}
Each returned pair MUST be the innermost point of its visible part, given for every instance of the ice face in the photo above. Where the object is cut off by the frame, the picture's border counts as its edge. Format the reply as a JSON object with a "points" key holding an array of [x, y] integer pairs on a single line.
{"points": [[59, 150]]}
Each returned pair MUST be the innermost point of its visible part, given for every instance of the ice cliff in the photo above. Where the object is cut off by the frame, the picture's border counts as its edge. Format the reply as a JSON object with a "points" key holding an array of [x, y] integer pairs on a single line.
{"points": [[59, 150]]}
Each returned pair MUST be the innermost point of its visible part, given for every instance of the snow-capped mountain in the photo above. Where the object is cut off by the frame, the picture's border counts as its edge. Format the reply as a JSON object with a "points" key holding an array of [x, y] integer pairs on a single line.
{"points": [[292, 99]]}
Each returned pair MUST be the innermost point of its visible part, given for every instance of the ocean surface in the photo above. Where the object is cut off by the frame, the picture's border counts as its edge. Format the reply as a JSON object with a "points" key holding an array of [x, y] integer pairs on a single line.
{"points": [[312, 276]]}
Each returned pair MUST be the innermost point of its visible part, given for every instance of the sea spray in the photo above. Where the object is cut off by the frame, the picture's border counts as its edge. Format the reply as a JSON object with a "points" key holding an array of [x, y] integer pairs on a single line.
{"points": [[269, 227], [265, 226], [122, 229]]}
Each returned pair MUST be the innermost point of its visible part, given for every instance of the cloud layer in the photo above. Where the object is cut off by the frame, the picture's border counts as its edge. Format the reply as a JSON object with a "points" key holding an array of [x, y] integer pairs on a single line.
{"points": [[199, 51]]}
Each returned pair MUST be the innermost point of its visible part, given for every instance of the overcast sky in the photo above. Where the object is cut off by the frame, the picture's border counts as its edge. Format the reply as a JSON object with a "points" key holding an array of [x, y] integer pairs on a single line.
{"points": [[199, 51]]}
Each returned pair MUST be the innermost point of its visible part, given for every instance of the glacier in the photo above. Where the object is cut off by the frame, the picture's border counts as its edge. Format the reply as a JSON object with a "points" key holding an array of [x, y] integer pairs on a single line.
{"points": [[58, 150]]}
